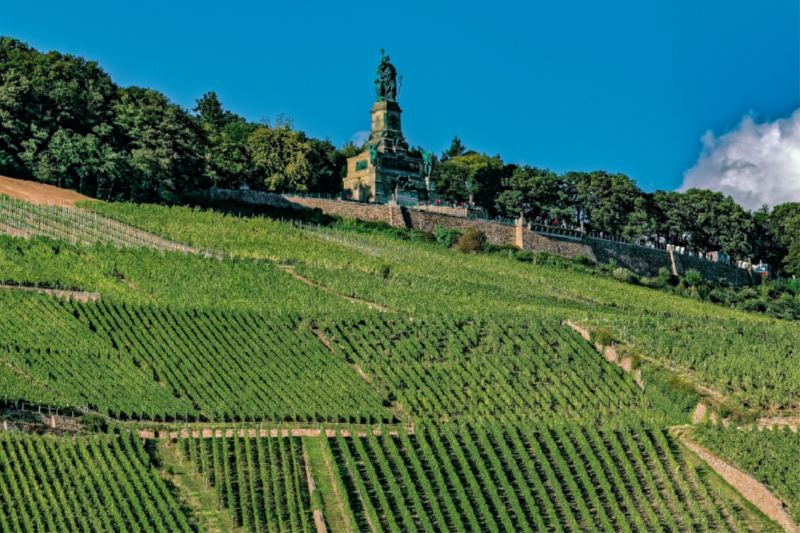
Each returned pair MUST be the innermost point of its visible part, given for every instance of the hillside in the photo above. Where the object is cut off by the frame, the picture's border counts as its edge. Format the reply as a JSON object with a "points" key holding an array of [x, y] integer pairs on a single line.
{"points": [[31, 191], [427, 389]]}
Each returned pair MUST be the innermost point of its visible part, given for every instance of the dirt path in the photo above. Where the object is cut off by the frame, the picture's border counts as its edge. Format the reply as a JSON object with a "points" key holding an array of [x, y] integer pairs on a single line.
{"points": [[747, 486], [31, 191], [319, 519], [610, 353], [14, 232], [252, 432], [336, 490], [792, 422], [83, 296], [699, 413], [291, 271]]}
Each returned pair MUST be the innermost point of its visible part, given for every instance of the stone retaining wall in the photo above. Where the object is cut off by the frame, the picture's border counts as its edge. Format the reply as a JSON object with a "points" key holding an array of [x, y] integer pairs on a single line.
{"points": [[638, 259]]}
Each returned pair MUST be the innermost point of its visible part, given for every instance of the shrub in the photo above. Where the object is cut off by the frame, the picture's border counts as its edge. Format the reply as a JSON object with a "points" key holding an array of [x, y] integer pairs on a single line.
{"points": [[581, 259], [384, 270], [473, 241], [445, 236], [754, 306], [693, 277], [94, 423], [673, 395], [601, 337], [717, 296], [494, 248], [666, 277], [422, 236], [623, 274], [746, 294]]}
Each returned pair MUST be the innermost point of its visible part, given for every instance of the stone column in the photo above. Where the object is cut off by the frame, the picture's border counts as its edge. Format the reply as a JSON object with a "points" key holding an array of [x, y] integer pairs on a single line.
{"points": [[519, 228]]}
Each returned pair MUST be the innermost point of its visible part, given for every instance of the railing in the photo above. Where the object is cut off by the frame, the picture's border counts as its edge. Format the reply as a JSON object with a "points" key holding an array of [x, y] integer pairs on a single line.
{"points": [[559, 231], [544, 229]]}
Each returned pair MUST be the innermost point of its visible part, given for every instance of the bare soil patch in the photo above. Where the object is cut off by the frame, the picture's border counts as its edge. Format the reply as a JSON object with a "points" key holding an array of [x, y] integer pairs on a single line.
{"points": [[747, 486], [83, 296], [31, 191], [699, 413]]}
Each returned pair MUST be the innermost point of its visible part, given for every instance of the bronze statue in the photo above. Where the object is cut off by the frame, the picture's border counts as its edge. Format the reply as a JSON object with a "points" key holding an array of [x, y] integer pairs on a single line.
{"points": [[386, 83], [427, 163], [373, 154]]}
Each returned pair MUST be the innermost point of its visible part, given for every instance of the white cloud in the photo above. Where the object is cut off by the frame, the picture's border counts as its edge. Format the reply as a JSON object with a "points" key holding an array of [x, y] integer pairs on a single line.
{"points": [[360, 137], [754, 163]]}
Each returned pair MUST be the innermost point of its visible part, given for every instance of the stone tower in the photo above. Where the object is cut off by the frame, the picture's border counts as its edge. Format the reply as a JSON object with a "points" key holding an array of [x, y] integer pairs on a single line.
{"points": [[385, 172]]}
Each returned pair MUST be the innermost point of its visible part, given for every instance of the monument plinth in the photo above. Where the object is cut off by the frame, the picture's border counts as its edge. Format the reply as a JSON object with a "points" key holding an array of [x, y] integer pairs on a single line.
{"points": [[386, 171]]}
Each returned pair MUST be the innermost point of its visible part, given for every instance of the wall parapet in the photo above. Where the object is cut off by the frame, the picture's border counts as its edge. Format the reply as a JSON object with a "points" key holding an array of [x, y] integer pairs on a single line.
{"points": [[641, 260]]}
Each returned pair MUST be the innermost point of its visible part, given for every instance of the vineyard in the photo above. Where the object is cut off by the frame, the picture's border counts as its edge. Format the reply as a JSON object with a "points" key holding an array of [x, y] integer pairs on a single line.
{"points": [[100, 483], [772, 456], [525, 478], [469, 405], [261, 481], [749, 356], [443, 369]]}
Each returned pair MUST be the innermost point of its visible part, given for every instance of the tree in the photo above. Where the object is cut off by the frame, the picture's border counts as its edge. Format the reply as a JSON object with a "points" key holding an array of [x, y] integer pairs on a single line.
{"points": [[704, 220], [456, 149], [785, 237], [327, 164], [470, 176], [607, 199], [165, 143], [42, 95], [574, 189], [792, 259], [531, 192], [209, 111], [281, 158]]}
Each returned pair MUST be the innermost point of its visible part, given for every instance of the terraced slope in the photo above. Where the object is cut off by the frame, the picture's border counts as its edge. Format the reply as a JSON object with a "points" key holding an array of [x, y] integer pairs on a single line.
{"points": [[526, 478], [99, 483], [443, 369]]}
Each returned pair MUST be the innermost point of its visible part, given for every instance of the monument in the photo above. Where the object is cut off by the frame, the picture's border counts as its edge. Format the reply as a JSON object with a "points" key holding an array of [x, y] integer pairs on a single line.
{"points": [[385, 172]]}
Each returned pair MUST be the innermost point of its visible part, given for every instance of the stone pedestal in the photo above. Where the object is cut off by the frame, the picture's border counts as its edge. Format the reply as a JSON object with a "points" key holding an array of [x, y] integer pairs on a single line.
{"points": [[385, 171]]}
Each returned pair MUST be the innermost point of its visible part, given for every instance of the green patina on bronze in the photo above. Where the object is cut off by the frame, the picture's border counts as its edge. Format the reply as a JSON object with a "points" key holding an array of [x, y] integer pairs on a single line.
{"points": [[373, 154], [386, 82], [427, 163]]}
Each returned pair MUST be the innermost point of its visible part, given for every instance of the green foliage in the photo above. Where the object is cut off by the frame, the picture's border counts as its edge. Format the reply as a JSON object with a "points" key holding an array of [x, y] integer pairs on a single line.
{"points": [[770, 456], [693, 277], [96, 483], [473, 241], [670, 393], [446, 237], [601, 336], [623, 274], [526, 477], [446, 352], [94, 423]]}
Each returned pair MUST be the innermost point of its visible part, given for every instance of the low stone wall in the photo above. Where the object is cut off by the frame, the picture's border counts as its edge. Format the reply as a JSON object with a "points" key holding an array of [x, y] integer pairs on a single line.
{"points": [[641, 260]]}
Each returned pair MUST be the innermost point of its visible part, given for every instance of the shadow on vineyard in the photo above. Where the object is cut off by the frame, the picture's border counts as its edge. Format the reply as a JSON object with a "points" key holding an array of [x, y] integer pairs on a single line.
{"points": [[474, 407]]}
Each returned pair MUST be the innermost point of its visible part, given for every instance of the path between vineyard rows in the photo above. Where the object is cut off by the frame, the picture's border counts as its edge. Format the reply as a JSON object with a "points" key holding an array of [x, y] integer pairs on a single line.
{"points": [[208, 433], [747, 486], [83, 296], [290, 270]]}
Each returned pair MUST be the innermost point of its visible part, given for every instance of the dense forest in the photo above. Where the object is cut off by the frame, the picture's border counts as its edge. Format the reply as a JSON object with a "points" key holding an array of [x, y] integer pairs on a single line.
{"points": [[64, 122]]}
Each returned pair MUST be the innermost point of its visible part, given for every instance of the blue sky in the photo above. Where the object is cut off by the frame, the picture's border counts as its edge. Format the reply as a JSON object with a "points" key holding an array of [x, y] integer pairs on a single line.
{"points": [[623, 86]]}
